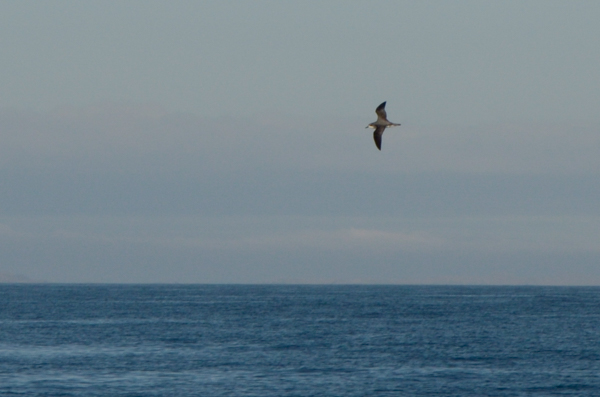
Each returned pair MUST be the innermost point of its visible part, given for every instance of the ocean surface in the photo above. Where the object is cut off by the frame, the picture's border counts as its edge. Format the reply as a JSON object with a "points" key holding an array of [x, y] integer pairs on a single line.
{"points": [[282, 340]]}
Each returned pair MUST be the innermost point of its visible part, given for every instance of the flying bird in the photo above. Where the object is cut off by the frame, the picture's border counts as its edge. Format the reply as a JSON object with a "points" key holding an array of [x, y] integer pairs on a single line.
{"points": [[380, 125]]}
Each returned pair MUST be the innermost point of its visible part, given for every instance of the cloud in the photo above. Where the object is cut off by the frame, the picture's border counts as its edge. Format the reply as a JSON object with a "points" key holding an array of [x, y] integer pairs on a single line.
{"points": [[127, 138], [124, 159], [136, 194], [163, 249], [559, 250], [342, 239], [507, 148], [283, 233]]}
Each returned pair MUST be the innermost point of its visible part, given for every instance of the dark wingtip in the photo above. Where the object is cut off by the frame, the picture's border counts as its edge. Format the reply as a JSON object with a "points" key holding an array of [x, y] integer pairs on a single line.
{"points": [[377, 139], [381, 106]]}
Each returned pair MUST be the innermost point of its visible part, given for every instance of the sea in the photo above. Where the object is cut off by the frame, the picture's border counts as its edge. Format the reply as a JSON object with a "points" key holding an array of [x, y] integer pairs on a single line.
{"points": [[298, 340]]}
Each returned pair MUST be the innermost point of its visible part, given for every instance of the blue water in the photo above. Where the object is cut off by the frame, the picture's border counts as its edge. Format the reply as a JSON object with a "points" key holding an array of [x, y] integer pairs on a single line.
{"points": [[203, 340]]}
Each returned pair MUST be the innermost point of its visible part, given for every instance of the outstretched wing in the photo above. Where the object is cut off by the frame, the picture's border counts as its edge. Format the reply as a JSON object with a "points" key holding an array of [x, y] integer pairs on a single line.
{"points": [[377, 136], [381, 111]]}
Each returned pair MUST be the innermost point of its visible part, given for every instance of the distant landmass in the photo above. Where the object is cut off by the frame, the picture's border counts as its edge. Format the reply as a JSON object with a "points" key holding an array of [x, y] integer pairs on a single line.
{"points": [[15, 278]]}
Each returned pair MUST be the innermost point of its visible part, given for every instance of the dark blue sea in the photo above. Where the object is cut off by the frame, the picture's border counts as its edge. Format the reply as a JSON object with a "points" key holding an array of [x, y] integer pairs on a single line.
{"points": [[282, 340]]}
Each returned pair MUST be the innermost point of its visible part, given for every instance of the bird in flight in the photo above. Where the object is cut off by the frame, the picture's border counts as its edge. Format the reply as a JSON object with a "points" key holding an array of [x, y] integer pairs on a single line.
{"points": [[380, 125]]}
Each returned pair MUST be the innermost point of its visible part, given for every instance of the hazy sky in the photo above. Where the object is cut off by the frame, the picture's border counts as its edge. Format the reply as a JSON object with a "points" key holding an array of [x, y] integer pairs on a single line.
{"points": [[225, 142]]}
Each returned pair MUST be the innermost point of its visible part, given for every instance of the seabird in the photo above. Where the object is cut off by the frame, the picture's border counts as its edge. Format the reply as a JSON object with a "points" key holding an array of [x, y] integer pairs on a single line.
{"points": [[380, 125]]}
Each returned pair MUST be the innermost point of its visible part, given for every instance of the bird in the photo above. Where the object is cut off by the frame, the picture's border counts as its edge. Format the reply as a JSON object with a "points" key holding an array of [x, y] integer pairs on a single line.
{"points": [[380, 125]]}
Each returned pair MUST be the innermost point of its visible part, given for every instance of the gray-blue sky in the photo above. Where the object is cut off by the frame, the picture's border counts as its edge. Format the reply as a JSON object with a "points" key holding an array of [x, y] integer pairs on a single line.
{"points": [[151, 141]]}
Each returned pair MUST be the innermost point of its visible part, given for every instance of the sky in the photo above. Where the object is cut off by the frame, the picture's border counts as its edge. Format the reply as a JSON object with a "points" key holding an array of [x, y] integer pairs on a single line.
{"points": [[225, 142]]}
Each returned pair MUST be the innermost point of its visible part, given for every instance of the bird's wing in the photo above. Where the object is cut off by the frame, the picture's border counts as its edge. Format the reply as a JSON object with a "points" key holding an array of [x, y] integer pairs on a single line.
{"points": [[381, 111], [377, 136]]}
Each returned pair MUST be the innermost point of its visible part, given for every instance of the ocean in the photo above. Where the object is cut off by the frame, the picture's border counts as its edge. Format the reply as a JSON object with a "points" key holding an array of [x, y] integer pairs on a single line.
{"points": [[298, 340]]}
